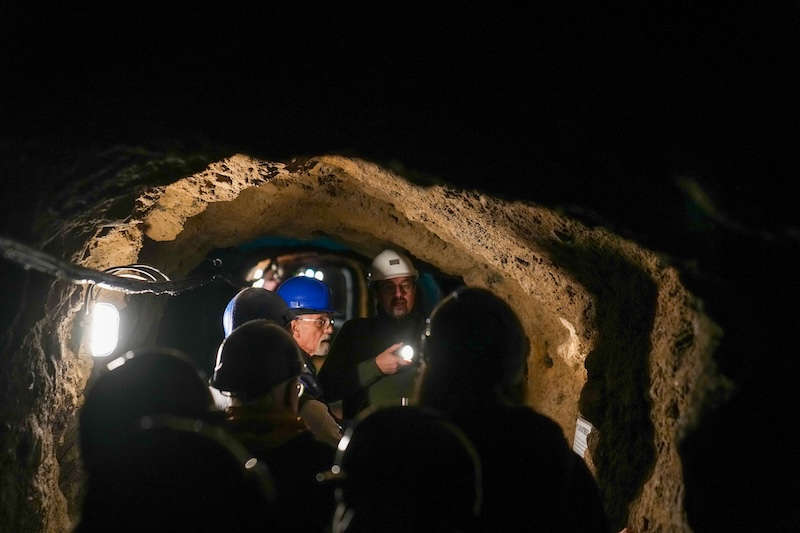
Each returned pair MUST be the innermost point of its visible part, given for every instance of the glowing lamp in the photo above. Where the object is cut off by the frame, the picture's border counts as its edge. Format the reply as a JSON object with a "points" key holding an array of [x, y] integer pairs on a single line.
{"points": [[104, 332]]}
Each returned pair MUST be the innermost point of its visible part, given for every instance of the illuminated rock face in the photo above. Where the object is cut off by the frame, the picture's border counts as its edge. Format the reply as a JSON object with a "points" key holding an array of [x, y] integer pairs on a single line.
{"points": [[615, 336]]}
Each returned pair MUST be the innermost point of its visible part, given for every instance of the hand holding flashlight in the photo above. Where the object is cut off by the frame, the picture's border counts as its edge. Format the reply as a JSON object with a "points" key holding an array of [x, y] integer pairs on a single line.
{"points": [[391, 360]]}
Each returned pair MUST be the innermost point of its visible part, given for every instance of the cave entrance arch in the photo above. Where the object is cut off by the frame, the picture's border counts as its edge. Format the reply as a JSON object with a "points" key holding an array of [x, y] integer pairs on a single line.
{"points": [[615, 336]]}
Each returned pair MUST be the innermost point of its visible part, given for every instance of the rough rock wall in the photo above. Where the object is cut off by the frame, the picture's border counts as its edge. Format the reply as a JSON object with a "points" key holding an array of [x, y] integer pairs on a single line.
{"points": [[42, 373], [41, 390], [589, 299], [615, 335]]}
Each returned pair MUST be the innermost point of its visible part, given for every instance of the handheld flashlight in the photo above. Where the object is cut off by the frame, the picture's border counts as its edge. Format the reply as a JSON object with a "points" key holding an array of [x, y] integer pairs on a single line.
{"points": [[407, 353]]}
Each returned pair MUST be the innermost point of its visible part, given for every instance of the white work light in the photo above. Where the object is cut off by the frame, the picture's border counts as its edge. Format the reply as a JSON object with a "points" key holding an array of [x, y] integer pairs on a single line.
{"points": [[319, 275], [103, 319], [104, 332]]}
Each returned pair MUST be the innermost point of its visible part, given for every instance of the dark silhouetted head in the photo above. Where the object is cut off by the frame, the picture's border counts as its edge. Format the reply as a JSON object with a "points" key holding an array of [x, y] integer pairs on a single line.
{"points": [[406, 469], [145, 382], [474, 350]]}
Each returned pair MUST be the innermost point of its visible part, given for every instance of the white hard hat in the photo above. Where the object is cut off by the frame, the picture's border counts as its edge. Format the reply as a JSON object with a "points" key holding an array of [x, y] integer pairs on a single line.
{"points": [[390, 264]]}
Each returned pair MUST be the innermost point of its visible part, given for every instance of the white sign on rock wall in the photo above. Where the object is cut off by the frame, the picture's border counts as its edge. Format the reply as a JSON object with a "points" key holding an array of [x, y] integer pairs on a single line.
{"points": [[582, 429]]}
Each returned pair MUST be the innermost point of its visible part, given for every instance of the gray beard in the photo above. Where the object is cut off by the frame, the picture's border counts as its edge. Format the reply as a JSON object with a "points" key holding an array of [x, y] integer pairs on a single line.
{"points": [[323, 348], [396, 313]]}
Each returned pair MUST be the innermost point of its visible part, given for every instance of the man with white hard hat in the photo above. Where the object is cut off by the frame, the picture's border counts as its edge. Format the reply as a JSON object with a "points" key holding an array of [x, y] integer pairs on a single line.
{"points": [[371, 362]]}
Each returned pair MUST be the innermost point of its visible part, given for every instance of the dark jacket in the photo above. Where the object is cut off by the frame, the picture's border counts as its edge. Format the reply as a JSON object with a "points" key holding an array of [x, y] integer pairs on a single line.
{"points": [[532, 480], [309, 380], [294, 458], [350, 373]]}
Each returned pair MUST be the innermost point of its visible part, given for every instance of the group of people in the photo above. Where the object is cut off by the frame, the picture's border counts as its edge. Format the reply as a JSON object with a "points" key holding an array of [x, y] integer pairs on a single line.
{"points": [[409, 425]]}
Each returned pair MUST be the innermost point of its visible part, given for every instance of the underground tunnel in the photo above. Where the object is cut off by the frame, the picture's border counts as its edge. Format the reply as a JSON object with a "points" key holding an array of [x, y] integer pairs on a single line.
{"points": [[616, 339], [622, 176]]}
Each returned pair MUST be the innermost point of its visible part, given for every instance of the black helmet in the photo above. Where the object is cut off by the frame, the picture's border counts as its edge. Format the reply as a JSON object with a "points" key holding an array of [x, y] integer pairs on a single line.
{"points": [[473, 339], [431, 483], [145, 382], [253, 303], [255, 357]]}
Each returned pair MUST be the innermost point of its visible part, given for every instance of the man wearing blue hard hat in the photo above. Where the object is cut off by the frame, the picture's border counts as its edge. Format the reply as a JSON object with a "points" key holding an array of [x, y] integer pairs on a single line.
{"points": [[311, 326], [311, 323]]}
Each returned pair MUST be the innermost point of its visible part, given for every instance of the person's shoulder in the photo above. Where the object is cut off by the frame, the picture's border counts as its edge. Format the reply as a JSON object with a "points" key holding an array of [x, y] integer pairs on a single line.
{"points": [[533, 416], [528, 420]]}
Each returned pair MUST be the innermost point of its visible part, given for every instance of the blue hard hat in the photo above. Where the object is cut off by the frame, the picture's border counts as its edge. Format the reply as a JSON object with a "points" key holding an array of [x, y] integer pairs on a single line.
{"points": [[306, 295]]}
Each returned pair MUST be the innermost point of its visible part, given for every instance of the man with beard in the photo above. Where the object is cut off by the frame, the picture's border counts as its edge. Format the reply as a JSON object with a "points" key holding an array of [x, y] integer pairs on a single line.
{"points": [[370, 362], [311, 326]]}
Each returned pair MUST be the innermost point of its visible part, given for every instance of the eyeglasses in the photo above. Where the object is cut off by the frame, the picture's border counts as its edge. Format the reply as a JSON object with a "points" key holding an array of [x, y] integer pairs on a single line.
{"points": [[322, 323]]}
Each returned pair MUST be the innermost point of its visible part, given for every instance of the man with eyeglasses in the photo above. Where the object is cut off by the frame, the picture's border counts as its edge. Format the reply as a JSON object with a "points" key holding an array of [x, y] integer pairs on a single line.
{"points": [[311, 326], [369, 363]]}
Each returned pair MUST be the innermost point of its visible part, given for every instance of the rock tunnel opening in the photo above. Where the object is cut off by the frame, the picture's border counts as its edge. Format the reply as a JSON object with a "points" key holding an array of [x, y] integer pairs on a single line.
{"points": [[615, 337]]}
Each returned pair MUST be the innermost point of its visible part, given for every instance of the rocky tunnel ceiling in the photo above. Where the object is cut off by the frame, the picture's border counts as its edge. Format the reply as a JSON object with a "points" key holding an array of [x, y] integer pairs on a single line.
{"points": [[615, 335]]}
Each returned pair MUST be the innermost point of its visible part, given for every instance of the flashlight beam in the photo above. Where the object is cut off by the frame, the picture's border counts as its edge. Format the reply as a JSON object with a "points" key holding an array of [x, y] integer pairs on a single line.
{"points": [[32, 259]]}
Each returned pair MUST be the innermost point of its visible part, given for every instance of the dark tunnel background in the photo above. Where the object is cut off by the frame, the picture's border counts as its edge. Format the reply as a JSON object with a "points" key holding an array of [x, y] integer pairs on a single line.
{"points": [[675, 126]]}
